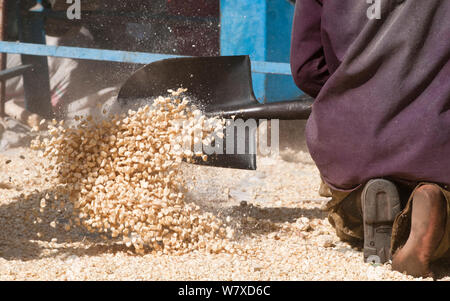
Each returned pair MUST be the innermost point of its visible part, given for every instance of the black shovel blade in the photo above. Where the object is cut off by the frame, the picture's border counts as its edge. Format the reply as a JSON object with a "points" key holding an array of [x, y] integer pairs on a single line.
{"points": [[213, 83]]}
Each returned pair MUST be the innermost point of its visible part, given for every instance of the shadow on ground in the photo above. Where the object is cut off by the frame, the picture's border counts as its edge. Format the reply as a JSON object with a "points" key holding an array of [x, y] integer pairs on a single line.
{"points": [[27, 231]]}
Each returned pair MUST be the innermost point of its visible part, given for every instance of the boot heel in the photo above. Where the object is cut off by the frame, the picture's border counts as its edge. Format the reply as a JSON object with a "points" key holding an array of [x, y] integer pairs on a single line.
{"points": [[380, 205]]}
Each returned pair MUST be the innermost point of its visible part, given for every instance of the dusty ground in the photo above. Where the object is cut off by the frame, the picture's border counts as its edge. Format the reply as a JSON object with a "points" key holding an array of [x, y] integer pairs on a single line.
{"points": [[276, 208]]}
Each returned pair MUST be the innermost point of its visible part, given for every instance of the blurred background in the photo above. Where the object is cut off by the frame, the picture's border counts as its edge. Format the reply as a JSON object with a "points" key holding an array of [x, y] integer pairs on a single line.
{"points": [[64, 87]]}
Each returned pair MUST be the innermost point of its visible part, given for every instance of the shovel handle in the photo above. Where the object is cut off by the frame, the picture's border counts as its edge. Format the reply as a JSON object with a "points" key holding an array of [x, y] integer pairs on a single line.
{"points": [[284, 110]]}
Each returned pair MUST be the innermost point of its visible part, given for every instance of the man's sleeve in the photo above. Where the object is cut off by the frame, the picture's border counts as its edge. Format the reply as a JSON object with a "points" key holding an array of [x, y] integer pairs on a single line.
{"points": [[308, 64]]}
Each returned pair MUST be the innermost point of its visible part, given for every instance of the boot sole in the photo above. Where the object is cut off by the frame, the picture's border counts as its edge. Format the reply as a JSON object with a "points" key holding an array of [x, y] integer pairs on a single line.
{"points": [[380, 205]]}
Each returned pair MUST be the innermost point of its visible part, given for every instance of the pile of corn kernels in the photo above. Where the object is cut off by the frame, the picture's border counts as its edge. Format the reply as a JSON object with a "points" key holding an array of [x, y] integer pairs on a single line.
{"points": [[275, 211], [123, 176]]}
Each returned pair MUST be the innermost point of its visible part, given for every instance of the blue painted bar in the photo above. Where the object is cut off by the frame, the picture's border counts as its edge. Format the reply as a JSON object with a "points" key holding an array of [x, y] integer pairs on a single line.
{"points": [[271, 68], [118, 56], [14, 71]]}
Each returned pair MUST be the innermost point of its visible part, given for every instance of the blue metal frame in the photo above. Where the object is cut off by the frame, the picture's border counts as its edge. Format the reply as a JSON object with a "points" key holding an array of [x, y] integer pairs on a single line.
{"points": [[261, 29], [119, 56], [243, 32], [14, 72]]}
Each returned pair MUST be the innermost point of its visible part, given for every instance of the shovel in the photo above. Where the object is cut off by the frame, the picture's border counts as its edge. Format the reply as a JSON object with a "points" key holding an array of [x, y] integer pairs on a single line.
{"points": [[219, 86]]}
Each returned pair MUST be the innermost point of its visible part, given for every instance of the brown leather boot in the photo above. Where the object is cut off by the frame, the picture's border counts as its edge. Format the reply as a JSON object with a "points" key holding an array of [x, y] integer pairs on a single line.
{"points": [[428, 220]]}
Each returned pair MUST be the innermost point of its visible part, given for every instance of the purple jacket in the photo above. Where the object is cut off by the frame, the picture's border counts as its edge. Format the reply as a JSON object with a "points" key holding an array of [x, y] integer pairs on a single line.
{"points": [[382, 88]]}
